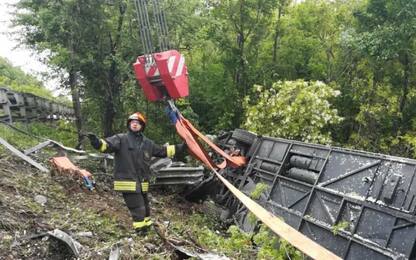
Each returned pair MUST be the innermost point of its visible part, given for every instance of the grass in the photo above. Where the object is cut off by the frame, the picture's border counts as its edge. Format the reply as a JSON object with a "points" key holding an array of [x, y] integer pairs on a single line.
{"points": [[61, 131]]}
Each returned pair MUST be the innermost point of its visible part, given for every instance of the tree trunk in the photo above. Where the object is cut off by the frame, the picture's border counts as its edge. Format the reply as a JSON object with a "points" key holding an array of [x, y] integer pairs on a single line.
{"points": [[277, 31], [114, 84], [72, 82], [109, 114], [241, 38], [405, 88]]}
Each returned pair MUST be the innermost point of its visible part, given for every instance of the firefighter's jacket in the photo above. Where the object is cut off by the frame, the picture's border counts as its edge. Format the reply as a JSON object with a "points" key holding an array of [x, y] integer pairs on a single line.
{"points": [[132, 153]]}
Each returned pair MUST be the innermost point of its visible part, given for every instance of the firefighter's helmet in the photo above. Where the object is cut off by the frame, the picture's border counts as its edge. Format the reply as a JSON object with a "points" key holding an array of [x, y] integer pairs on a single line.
{"points": [[137, 116]]}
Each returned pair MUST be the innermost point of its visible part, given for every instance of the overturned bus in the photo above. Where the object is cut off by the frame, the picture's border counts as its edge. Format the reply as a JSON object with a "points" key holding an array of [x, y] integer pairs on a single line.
{"points": [[358, 205]]}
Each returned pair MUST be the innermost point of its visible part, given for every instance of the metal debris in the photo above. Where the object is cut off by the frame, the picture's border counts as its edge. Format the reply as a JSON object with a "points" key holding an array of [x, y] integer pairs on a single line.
{"points": [[115, 252], [37, 147], [202, 256], [75, 246], [84, 234], [150, 247], [23, 156], [168, 172]]}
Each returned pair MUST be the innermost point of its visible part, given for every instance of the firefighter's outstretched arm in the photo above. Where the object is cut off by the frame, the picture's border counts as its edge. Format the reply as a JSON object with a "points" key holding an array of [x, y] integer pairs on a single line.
{"points": [[108, 145], [168, 151]]}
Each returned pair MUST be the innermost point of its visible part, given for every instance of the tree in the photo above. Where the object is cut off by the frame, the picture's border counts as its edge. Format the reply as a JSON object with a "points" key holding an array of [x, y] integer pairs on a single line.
{"points": [[297, 110], [310, 40], [62, 30], [237, 29], [386, 33], [382, 45]]}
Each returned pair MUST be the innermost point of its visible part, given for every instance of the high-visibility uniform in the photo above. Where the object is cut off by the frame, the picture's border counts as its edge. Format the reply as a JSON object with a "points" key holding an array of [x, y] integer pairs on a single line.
{"points": [[132, 154]]}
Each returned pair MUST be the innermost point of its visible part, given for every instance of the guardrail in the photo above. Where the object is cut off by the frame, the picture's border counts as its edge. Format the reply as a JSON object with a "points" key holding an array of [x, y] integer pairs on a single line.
{"points": [[26, 107]]}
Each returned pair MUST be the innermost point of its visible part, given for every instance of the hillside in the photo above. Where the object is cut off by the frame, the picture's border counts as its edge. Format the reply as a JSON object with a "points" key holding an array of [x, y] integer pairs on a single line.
{"points": [[97, 220], [15, 79], [34, 203]]}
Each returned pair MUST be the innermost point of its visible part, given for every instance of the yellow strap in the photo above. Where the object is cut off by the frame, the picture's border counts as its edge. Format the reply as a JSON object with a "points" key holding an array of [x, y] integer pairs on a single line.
{"points": [[103, 145], [294, 237], [170, 150], [125, 185]]}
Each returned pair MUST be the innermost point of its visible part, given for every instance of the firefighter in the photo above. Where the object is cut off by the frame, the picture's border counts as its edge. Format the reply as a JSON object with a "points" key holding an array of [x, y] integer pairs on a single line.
{"points": [[133, 152]]}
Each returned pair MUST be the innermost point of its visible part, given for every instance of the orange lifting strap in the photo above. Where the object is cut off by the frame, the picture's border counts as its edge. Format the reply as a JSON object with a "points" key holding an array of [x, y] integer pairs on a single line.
{"points": [[190, 135]]}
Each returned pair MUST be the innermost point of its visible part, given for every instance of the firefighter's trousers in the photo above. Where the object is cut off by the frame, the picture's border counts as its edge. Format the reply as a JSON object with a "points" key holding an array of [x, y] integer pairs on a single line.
{"points": [[138, 205]]}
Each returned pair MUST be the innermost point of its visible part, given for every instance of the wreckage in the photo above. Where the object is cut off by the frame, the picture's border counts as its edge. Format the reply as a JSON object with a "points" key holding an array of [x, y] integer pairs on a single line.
{"points": [[354, 203], [358, 205]]}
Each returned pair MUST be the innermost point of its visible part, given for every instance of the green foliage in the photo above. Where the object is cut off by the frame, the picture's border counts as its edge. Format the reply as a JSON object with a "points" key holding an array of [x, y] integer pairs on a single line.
{"points": [[61, 131], [381, 105], [310, 41], [258, 190], [375, 119], [205, 230], [382, 33], [342, 225], [293, 109], [252, 219], [16, 75], [237, 244], [409, 142], [271, 247], [364, 48], [15, 138]]}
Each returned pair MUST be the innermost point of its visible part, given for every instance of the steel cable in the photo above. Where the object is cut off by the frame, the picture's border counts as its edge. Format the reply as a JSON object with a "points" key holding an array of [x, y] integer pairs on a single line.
{"points": [[161, 26], [144, 25]]}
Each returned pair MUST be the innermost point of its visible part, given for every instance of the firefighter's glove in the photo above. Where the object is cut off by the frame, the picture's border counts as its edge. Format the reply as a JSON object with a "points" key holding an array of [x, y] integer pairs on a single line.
{"points": [[145, 186], [173, 115], [180, 148], [94, 140], [180, 151]]}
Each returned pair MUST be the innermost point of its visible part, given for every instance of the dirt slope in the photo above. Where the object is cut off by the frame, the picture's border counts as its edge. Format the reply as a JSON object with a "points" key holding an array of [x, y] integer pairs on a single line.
{"points": [[32, 203]]}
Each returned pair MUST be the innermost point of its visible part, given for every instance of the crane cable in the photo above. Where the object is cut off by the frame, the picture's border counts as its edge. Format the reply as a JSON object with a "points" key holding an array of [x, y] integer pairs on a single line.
{"points": [[144, 29], [161, 26]]}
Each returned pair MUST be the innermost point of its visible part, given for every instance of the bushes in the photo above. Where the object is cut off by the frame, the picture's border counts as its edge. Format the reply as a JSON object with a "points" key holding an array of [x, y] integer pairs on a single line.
{"points": [[297, 110]]}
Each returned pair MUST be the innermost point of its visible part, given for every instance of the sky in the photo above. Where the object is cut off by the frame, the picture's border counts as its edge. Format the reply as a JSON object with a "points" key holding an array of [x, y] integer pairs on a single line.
{"points": [[21, 57]]}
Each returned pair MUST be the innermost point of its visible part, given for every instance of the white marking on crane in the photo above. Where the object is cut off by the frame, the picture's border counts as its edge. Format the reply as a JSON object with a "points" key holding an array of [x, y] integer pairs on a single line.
{"points": [[171, 62], [152, 71], [180, 66]]}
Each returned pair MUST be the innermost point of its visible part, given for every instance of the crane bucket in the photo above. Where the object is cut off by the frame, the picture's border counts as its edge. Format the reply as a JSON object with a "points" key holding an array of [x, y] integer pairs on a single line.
{"points": [[166, 77]]}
